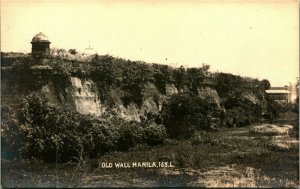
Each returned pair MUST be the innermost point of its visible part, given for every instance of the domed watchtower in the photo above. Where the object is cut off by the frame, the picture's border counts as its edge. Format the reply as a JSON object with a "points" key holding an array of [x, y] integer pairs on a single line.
{"points": [[40, 45]]}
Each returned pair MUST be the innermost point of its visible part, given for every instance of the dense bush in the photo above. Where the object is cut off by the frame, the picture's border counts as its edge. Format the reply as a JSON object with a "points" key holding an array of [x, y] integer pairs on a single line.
{"points": [[242, 103], [243, 99], [61, 134], [154, 134], [273, 110], [13, 129], [163, 75], [235, 117], [133, 134], [183, 114]]}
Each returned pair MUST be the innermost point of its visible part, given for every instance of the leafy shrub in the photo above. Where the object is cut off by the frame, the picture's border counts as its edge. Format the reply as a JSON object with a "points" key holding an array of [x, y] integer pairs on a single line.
{"points": [[13, 128], [235, 117], [133, 134], [162, 76], [63, 134], [154, 134], [238, 97], [273, 109], [183, 114]]}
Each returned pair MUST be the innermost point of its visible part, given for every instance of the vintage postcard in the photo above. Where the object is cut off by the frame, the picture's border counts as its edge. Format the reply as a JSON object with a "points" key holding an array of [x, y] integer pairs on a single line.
{"points": [[101, 94]]}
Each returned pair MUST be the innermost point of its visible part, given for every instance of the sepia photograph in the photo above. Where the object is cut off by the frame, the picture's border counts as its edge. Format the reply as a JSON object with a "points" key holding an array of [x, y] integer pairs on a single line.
{"points": [[149, 93]]}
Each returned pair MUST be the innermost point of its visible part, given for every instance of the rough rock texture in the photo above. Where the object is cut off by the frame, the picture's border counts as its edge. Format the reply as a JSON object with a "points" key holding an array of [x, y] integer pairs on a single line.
{"points": [[82, 95], [209, 93]]}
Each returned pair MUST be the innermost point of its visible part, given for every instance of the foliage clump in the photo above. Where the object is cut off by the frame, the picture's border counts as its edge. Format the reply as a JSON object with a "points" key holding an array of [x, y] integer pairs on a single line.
{"points": [[183, 114], [46, 132]]}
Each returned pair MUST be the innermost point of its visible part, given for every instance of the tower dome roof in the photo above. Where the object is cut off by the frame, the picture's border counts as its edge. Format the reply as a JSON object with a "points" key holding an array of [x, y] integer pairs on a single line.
{"points": [[40, 37]]}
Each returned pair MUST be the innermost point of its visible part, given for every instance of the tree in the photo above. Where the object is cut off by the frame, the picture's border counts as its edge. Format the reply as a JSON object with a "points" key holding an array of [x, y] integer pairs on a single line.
{"points": [[266, 84], [72, 51]]}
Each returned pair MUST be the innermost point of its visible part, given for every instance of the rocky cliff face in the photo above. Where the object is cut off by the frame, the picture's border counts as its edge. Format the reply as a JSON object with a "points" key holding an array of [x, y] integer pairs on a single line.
{"points": [[82, 95], [85, 97], [152, 103]]}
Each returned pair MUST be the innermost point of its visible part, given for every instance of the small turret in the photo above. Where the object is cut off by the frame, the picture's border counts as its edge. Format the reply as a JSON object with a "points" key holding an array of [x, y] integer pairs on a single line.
{"points": [[40, 45]]}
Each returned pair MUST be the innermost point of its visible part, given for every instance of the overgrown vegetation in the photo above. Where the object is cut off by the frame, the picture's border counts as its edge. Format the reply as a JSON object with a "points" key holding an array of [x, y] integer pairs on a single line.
{"points": [[35, 128], [184, 114]]}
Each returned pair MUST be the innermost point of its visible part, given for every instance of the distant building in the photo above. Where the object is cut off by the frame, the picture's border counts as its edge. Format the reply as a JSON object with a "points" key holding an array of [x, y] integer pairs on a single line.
{"points": [[279, 94], [285, 93], [40, 45]]}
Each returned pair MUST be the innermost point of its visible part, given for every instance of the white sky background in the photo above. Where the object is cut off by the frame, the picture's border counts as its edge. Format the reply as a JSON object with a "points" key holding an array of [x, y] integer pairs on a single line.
{"points": [[256, 38]]}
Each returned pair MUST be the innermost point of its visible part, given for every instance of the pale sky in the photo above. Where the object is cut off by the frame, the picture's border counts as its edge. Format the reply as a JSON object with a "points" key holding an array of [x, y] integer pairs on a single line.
{"points": [[249, 38]]}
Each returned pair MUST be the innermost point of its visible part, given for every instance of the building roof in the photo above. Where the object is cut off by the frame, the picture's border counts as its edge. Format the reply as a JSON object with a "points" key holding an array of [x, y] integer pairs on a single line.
{"points": [[40, 37], [276, 91]]}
